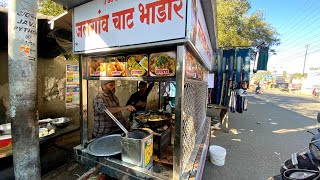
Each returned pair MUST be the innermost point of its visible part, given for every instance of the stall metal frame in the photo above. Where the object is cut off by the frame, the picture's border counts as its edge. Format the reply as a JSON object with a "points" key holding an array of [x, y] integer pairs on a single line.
{"points": [[191, 103]]}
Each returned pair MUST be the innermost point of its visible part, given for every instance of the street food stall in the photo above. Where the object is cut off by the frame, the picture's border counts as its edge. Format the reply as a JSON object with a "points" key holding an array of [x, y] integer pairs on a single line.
{"points": [[171, 42]]}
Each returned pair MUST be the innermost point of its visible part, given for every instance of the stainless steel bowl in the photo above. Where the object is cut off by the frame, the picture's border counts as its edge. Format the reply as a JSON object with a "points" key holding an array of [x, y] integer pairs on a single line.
{"points": [[60, 122], [5, 129]]}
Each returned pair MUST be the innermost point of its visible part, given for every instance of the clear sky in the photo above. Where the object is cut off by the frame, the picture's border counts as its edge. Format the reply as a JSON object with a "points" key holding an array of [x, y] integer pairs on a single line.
{"points": [[298, 25]]}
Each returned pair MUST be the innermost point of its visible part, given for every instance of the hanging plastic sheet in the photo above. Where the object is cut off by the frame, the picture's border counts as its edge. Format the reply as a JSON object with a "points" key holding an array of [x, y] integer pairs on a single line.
{"points": [[219, 77], [222, 95], [224, 63], [228, 57], [219, 63], [239, 66], [243, 58], [262, 59], [225, 90], [246, 66]]}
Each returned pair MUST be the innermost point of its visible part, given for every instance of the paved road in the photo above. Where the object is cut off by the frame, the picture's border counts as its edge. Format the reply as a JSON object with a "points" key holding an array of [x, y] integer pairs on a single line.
{"points": [[263, 137]]}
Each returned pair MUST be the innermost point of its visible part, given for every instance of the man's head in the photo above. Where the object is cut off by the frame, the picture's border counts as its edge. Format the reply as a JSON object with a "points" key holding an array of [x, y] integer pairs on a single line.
{"points": [[108, 86], [142, 87]]}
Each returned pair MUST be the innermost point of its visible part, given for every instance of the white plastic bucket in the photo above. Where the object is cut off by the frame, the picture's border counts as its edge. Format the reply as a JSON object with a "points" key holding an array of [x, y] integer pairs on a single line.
{"points": [[217, 155]]}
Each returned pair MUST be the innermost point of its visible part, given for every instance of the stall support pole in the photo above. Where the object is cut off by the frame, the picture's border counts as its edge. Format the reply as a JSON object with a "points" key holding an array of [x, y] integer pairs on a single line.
{"points": [[181, 51], [83, 101], [22, 66]]}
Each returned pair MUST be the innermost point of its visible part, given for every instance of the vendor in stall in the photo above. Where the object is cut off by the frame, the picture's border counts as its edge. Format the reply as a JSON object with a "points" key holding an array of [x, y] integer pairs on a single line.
{"points": [[139, 98], [103, 124]]}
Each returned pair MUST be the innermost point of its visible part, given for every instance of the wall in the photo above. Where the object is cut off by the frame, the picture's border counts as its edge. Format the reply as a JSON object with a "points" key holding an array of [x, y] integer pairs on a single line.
{"points": [[51, 89]]}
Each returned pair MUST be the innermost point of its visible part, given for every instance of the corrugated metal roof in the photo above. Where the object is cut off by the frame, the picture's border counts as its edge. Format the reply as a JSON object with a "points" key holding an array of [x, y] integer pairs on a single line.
{"points": [[69, 4]]}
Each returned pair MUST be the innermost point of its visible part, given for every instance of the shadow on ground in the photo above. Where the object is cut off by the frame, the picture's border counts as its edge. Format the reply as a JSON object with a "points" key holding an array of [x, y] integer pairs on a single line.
{"points": [[259, 140]]}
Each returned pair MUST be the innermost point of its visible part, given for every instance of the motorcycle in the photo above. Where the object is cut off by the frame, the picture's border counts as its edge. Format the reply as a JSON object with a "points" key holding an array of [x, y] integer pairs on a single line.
{"points": [[258, 90], [316, 92], [304, 164]]}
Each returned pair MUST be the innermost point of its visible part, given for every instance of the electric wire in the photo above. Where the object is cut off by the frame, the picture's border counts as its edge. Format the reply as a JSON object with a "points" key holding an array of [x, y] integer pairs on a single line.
{"points": [[297, 32], [296, 50], [295, 43], [292, 50], [302, 52], [283, 26], [296, 54], [302, 20], [297, 40], [295, 58], [292, 36]]}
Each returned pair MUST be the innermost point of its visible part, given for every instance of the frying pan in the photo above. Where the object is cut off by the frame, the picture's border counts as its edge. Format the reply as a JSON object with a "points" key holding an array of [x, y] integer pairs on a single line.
{"points": [[154, 123]]}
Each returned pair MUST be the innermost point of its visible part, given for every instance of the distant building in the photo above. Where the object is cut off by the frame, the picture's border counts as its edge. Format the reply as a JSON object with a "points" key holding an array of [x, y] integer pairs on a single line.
{"points": [[312, 81]]}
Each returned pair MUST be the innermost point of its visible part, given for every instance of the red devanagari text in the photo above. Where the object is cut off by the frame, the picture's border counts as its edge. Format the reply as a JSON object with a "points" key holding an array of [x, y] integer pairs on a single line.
{"points": [[92, 26], [123, 19], [160, 10]]}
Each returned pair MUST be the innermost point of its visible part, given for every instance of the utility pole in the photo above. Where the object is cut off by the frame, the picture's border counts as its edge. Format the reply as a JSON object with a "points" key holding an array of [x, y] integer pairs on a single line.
{"points": [[22, 68], [305, 58]]}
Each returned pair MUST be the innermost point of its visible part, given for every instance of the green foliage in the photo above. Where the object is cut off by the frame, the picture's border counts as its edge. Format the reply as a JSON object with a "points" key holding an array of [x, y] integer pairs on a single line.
{"points": [[237, 28], [284, 74], [50, 8], [260, 75]]}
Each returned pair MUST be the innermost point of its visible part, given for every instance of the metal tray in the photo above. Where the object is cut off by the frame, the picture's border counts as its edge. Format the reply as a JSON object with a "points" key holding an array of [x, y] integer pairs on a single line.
{"points": [[105, 146]]}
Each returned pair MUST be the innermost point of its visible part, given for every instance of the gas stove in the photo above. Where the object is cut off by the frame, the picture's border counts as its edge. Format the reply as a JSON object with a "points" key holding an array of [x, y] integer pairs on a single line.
{"points": [[161, 137]]}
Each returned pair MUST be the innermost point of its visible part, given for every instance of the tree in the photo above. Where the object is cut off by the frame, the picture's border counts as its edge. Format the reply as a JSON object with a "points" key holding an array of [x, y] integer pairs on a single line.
{"points": [[260, 75], [50, 8], [285, 74], [237, 28]]}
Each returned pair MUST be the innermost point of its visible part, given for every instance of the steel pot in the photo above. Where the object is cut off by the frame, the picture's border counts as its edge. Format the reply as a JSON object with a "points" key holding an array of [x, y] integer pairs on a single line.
{"points": [[60, 122]]}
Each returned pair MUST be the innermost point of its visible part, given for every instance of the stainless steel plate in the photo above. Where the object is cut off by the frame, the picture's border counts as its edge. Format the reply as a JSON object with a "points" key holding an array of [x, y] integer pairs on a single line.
{"points": [[105, 146]]}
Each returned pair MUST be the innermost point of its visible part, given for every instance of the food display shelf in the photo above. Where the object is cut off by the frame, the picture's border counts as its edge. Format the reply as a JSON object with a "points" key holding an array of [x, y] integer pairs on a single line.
{"points": [[155, 79], [189, 125]]}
